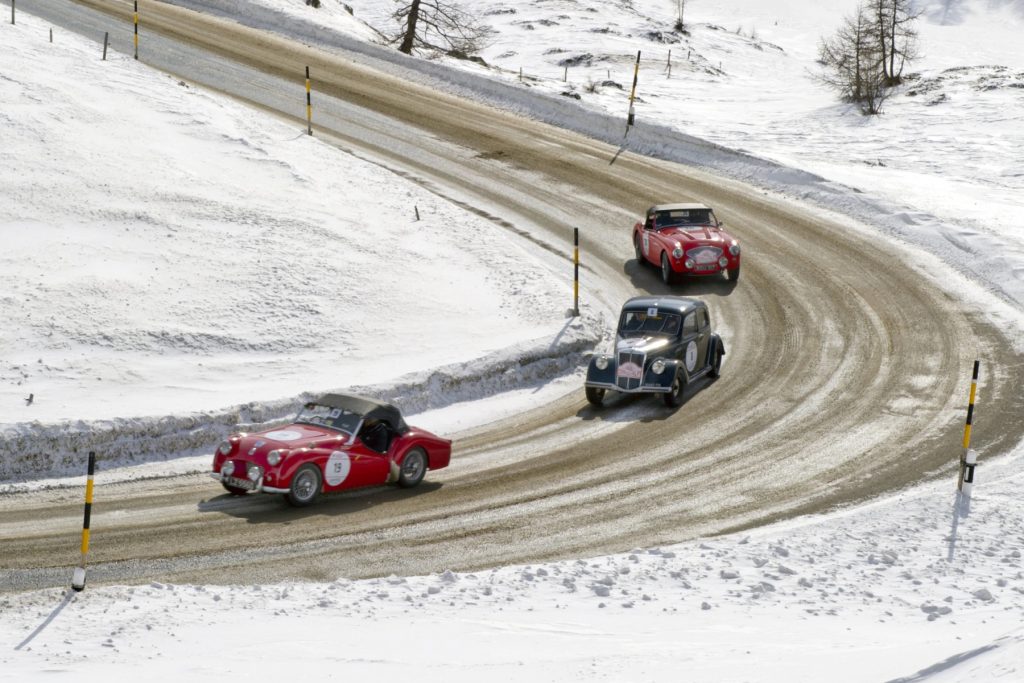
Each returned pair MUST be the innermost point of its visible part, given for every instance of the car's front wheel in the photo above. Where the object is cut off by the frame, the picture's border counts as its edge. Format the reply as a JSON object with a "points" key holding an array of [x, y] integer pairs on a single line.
{"points": [[414, 467], [666, 269], [674, 397], [638, 250], [595, 395], [305, 486]]}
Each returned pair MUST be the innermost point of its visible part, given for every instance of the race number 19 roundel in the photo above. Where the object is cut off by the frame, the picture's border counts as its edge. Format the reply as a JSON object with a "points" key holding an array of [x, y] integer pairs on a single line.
{"points": [[337, 468]]}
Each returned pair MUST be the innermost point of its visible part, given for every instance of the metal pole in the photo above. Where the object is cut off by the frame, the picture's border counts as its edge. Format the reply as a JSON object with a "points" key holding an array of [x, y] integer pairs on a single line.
{"points": [[309, 107], [12, 11], [106, 40], [136, 36], [78, 582], [632, 93], [576, 272], [964, 464]]}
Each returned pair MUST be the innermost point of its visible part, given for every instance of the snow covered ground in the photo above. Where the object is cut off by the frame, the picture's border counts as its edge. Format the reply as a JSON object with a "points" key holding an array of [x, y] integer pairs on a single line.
{"points": [[914, 587]]}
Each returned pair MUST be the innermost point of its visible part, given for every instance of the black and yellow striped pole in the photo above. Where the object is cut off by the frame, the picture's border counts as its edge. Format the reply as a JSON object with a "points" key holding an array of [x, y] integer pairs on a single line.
{"points": [[309, 107], [969, 459], [632, 93], [78, 582], [576, 272], [136, 37]]}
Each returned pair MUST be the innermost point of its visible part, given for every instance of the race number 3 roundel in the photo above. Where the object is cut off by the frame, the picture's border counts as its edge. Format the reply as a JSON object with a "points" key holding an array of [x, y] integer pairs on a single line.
{"points": [[691, 356], [337, 468]]}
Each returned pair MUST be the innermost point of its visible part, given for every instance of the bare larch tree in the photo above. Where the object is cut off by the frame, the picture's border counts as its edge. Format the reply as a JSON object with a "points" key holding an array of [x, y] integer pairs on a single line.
{"points": [[897, 37], [853, 58], [438, 25]]}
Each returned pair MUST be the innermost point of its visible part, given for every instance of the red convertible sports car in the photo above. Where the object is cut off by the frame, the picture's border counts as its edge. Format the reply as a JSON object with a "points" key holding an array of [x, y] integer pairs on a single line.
{"points": [[337, 442], [686, 239]]}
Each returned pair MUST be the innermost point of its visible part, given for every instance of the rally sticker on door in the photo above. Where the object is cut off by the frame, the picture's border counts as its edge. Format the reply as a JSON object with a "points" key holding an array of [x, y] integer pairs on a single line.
{"points": [[691, 356], [337, 468]]}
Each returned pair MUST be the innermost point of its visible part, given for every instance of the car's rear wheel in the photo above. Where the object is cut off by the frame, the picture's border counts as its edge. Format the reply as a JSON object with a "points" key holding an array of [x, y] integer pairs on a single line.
{"points": [[638, 250], [414, 467], [305, 486], [716, 364], [595, 395], [675, 397], [233, 491], [733, 273], [666, 269]]}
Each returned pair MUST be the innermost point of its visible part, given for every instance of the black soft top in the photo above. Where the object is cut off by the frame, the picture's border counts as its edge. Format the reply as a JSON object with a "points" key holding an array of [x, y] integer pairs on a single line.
{"points": [[369, 408], [672, 304]]}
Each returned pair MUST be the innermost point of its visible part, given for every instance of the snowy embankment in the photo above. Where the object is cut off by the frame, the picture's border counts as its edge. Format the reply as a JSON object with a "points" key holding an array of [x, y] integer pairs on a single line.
{"points": [[176, 263]]}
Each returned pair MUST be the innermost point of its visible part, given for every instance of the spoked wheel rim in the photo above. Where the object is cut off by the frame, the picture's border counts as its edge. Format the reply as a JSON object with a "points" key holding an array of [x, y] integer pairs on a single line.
{"points": [[413, 466], [665, 271], [304, 487]]}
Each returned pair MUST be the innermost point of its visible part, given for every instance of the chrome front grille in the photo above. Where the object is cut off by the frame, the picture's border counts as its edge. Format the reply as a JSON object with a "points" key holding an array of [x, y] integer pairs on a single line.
{"points": [[628, 359]]}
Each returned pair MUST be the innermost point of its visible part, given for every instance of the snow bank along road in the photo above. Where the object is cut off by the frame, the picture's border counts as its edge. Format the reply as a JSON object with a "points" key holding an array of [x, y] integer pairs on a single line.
{"points": [[846, 372]]}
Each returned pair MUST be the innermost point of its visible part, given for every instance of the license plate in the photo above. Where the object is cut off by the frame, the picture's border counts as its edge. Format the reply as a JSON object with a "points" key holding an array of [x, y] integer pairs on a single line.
{"points": [[707, 267], [237, 483]]}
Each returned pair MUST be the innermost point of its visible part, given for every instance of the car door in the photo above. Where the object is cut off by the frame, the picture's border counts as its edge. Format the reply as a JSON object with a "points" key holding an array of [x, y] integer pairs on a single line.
{"points": [[703, 337], [648, 240], [366, 467], [692, 360]]}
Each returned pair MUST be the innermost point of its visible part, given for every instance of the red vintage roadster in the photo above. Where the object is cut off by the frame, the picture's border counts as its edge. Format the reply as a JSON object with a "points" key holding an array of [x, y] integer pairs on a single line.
{"points": [[686, 239], [337, 442]]}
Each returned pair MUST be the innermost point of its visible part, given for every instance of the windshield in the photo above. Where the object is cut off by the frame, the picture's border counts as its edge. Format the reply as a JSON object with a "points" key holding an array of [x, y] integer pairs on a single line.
{"points": [[646, 323], [683, 217], [333, 418]]}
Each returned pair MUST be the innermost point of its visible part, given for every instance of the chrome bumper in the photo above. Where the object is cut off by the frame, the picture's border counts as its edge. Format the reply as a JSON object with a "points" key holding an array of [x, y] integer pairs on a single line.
{"points": [[642, 389], [259, 488]]}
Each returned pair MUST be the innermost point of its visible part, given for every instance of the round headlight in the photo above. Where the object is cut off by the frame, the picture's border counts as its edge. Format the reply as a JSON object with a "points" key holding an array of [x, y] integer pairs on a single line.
{"points": [[274, 458], [601, 362], [224, 448], [689, 263], [658, 366], [723, 262], [678, 252], [254, 472], [734, 249], [228, 468]]}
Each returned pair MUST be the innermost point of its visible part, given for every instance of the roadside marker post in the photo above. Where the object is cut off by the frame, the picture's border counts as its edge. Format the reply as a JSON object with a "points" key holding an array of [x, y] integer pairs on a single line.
{"points": [[12, 11], [106, 41], [632, 94], [576, 272], [969, 459], [135, 38], [309, 106], [78, 581]]}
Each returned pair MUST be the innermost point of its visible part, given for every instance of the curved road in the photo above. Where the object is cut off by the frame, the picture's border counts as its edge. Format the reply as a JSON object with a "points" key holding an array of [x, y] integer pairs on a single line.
{"points": [[845, 378]]}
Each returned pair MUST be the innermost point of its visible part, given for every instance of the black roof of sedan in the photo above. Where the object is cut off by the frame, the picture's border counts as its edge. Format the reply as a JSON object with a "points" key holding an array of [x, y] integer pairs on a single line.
{"points": [[676, 304], [369, 408]]}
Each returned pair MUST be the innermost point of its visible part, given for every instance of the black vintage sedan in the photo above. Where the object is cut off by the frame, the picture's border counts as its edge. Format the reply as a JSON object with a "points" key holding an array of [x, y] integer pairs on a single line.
{"points": [[662, 344]]}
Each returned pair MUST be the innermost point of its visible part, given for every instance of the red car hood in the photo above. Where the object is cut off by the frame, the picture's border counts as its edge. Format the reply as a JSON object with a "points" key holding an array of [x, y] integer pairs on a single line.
{"points": [[291, 437], [698, 235]]}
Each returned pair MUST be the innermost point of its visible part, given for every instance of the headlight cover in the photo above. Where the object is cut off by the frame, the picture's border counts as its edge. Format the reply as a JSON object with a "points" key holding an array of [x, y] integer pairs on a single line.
{"points": [[228, 468], [658, 366], [678, 251], [274, 458], [254, 472], [601, 362], [224, 448], [734, 249], [723, 262], [689, 263]]}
